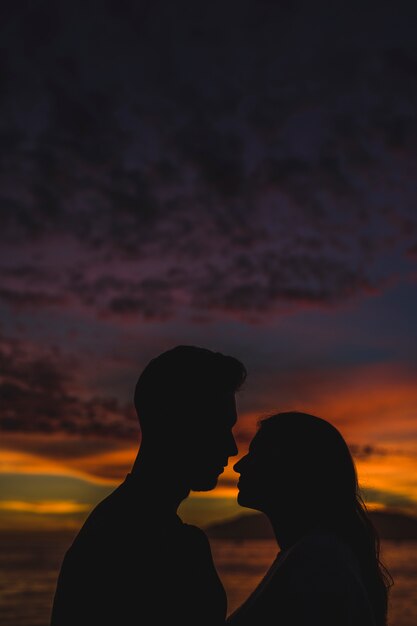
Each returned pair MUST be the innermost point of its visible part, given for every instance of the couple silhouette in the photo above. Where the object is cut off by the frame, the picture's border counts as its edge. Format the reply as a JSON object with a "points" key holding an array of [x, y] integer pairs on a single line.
{"points": [[134, 562]]}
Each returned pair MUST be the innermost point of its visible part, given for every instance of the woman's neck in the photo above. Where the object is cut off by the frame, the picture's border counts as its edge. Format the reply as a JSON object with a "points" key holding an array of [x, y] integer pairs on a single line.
{"points": [[289, 530]]}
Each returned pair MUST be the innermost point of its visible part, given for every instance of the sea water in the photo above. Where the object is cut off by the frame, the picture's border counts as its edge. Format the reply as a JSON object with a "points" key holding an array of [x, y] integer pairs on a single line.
{"points": [[30, 562]]}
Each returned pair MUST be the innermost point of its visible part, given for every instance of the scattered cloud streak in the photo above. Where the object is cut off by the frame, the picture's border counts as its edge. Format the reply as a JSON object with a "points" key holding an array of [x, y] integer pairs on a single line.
{"points": [[55, 507]]}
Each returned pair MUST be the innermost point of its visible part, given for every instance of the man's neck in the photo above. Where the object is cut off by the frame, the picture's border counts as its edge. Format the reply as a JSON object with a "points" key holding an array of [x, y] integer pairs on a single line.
{"points": [[162, 486]]}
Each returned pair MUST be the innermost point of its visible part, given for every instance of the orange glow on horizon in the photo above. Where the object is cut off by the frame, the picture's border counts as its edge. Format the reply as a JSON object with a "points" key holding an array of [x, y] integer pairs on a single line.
{"points": [[371, 406], [20, 462], [55, 507]]}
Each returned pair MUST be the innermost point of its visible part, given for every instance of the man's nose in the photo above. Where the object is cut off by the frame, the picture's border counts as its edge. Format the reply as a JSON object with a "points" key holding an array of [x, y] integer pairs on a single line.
{"points": [[238, 466]]}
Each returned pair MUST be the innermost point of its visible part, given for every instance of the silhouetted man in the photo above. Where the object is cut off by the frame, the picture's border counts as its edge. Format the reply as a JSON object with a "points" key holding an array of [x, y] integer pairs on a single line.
{"points": [[134, 561]]}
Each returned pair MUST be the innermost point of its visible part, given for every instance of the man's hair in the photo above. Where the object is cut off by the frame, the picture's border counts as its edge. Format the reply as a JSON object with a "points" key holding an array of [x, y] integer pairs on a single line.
{"points": [[179, 379]]}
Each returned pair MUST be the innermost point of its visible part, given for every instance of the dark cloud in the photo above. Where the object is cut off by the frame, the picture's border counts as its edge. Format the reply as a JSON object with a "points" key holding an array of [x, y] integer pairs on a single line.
{"points": [[30, 299], [111, 471], [62, 448], [412, 252], [228, 167], [366, 451], [39, 393]]}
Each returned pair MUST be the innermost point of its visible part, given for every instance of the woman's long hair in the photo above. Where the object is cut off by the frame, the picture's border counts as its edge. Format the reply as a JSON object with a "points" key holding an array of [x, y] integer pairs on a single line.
{"points": [[318, 463]]}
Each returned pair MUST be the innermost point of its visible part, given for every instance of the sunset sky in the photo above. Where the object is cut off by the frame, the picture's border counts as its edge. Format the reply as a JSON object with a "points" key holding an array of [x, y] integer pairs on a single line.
{"points": [[235, 175]]}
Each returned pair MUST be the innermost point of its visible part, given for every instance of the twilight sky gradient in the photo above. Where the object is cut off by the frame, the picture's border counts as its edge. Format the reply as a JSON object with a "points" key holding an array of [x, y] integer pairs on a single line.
{"points": [[235, 175]]}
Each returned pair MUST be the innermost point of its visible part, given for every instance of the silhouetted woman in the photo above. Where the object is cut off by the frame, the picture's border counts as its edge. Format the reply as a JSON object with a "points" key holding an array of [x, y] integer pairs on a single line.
{"points": [[300, 473]]}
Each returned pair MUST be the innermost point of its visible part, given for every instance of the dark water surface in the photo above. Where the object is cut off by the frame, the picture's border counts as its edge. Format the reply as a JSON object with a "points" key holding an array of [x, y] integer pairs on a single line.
{"points": [[29, 566]]}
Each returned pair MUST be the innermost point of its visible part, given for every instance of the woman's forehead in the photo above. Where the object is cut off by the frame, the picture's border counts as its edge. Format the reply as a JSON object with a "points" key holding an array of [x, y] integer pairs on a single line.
{"points": [[260, 440]]}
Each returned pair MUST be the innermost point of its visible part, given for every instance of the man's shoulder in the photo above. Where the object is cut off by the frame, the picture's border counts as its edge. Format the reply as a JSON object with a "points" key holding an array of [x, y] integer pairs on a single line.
{"points": [[195, 535], [104, 512], [117, 521], [110, 519]]}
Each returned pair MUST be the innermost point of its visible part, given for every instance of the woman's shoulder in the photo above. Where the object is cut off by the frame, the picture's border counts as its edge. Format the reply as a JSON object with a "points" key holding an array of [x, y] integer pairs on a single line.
{"points": [[321, 582], [323, 542]]}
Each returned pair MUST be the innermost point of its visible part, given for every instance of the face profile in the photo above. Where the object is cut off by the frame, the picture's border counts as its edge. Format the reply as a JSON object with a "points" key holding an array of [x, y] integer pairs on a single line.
{"points": [[185, 401], [269, 474], [211, 442], [292, 459], [255, 474]]}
